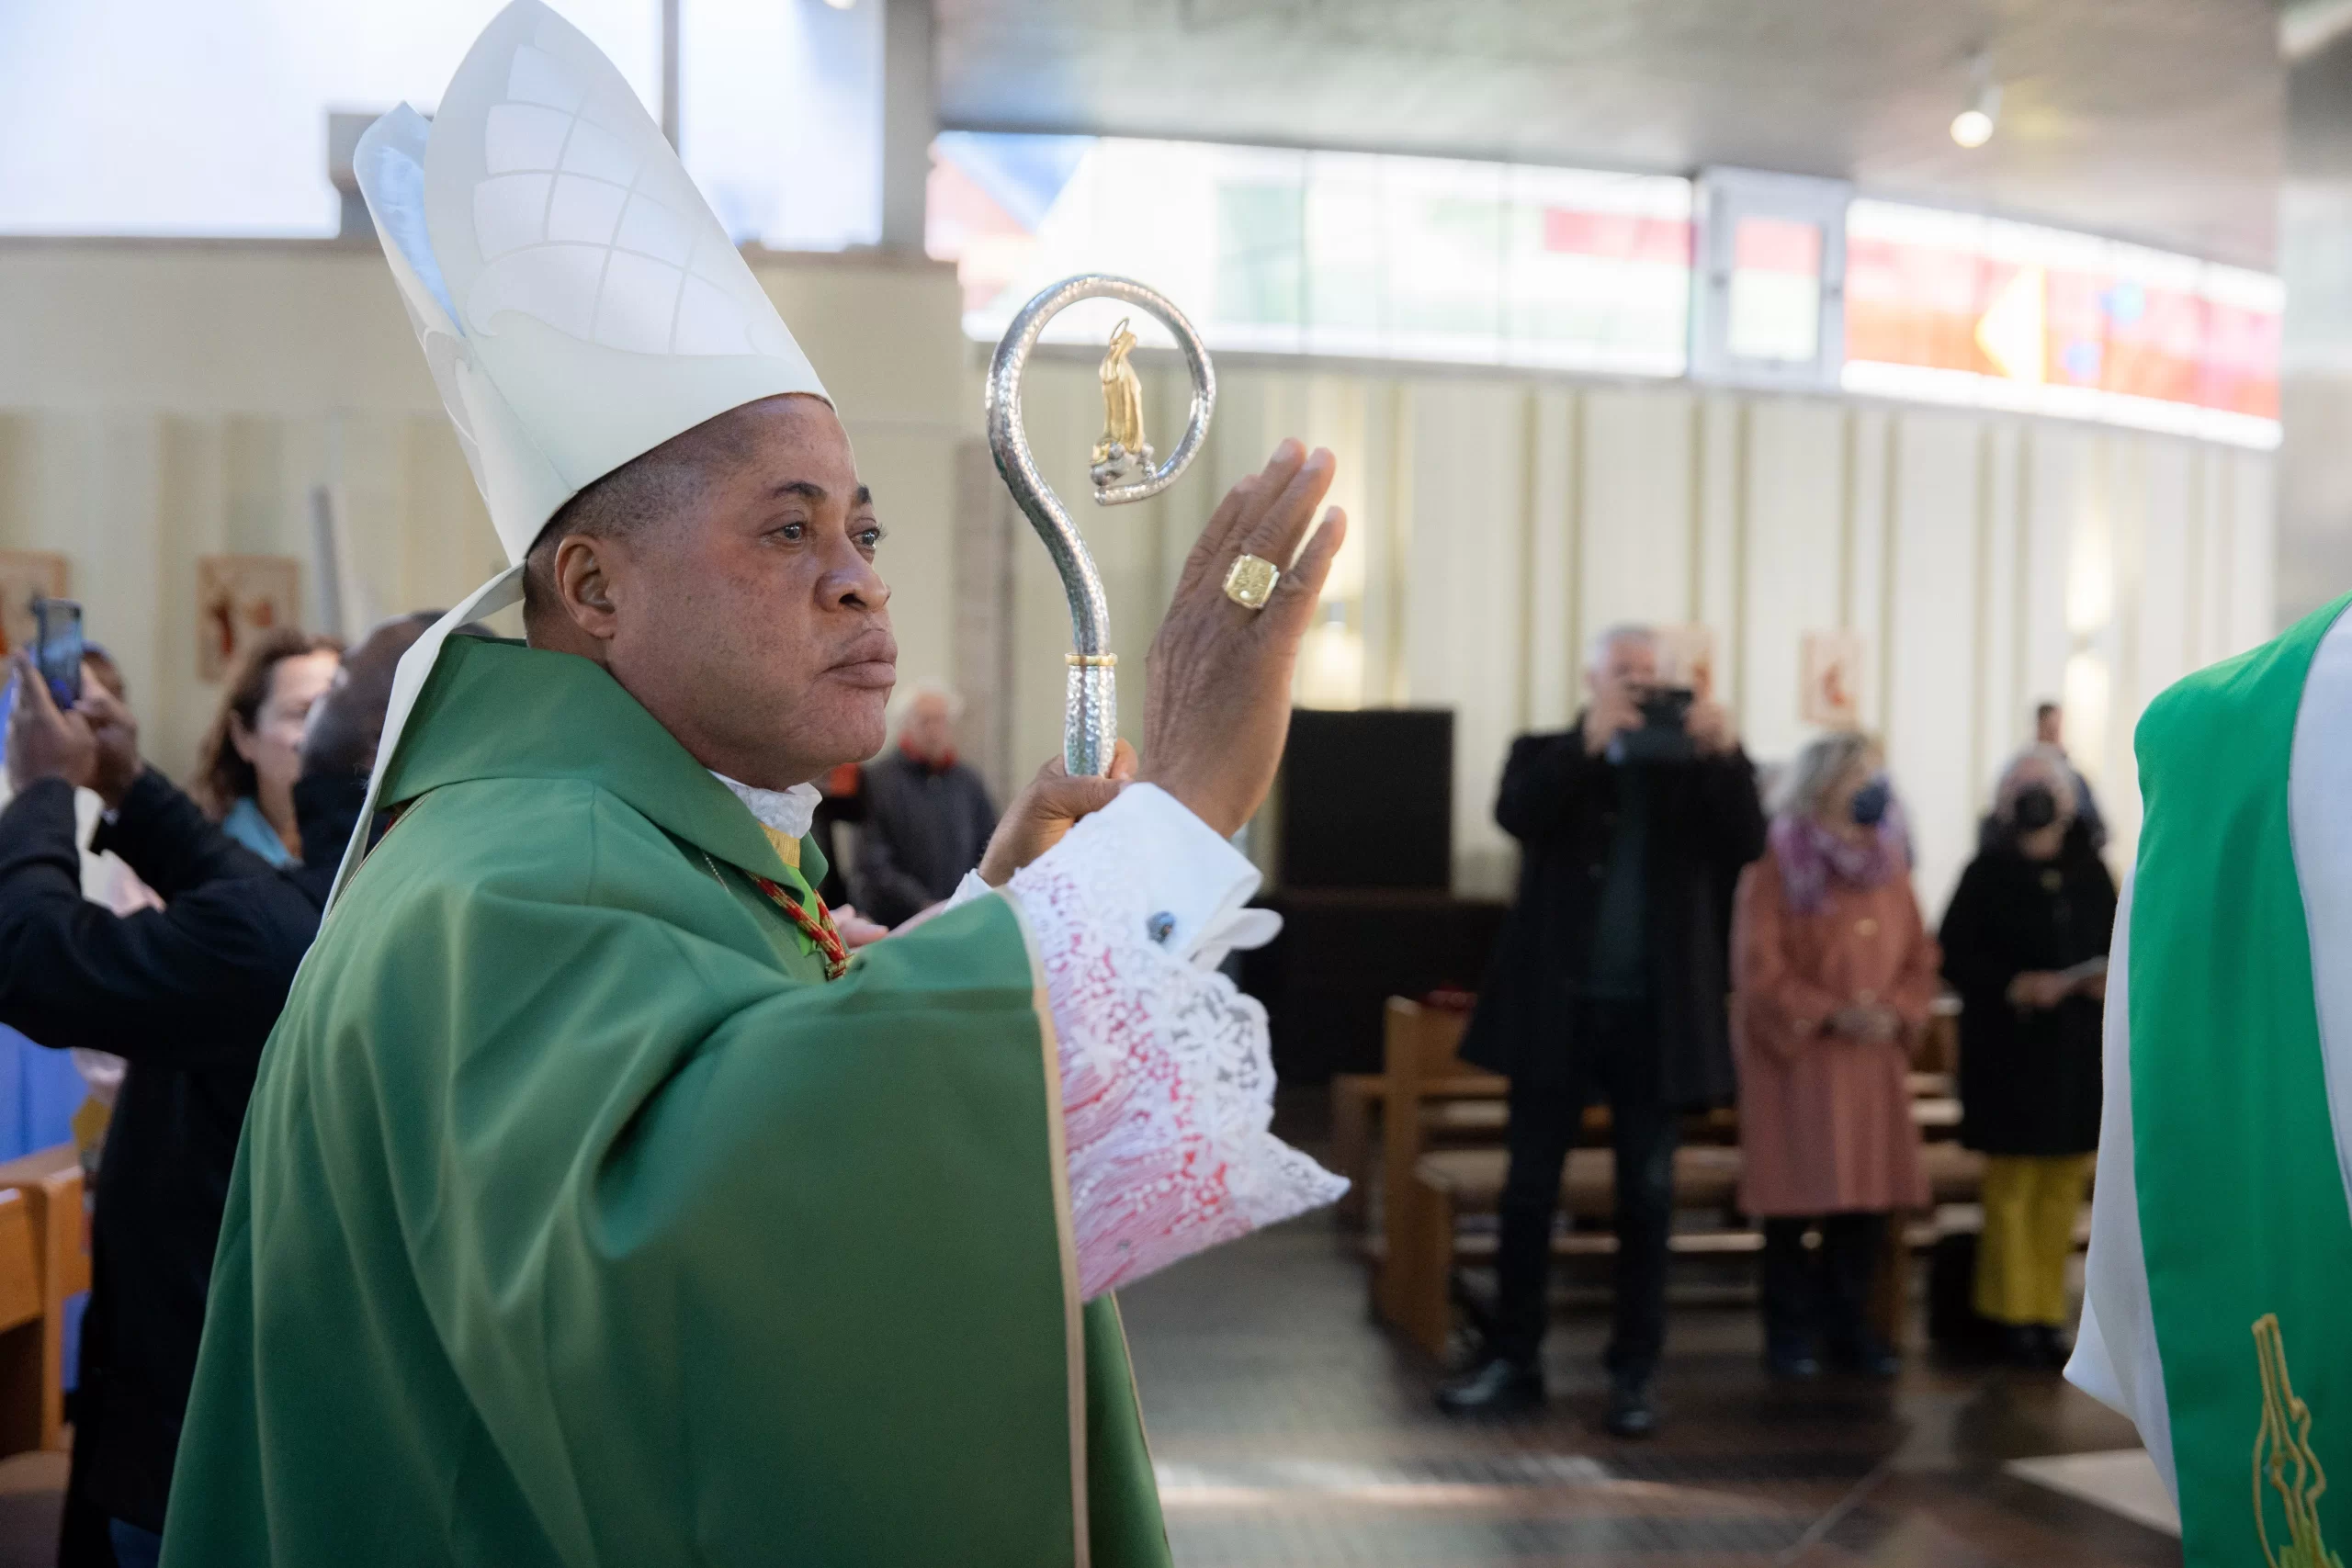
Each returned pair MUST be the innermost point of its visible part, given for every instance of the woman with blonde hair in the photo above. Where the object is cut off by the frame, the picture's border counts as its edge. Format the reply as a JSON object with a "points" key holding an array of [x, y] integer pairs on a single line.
{"points": [[2025, 945], [1832, 974], [249, 760]]}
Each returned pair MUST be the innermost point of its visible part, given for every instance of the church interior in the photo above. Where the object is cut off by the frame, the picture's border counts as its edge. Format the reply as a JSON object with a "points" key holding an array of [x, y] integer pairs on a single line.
{"points": [[1911, 373]]}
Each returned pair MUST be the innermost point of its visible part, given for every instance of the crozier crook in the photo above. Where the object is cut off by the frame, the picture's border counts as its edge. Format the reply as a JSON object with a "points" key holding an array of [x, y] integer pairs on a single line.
{"points": [[1091, 725]]}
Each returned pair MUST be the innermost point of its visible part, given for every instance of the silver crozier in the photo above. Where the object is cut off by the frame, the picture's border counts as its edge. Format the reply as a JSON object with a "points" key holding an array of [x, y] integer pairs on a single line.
{"points": [[1122, 471]]}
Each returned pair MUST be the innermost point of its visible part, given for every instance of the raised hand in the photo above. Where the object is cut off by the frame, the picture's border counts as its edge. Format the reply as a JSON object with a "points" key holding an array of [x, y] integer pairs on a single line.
{"points": [[44, 742], [1218, 707]]}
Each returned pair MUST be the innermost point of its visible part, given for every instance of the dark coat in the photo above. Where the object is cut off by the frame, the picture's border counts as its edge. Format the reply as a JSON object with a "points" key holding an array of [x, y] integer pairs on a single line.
{"points": [[1705, 825], [187, 994], [924, 828], [2029, 1082]]}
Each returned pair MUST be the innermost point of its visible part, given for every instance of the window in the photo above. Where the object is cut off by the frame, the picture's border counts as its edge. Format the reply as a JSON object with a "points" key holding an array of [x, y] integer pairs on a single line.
{"points": [[1958, 308], [1773, 250], [1346, 254], [147, 117]]}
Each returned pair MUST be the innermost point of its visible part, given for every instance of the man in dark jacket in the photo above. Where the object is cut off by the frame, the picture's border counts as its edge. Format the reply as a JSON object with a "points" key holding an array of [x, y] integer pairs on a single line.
{"points": [[1608, 984], [187, 994], [927, 816]]}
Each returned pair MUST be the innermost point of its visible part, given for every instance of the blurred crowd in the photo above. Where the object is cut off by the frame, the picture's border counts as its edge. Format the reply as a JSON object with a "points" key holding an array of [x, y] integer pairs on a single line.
{"points": [[1675, 948]]}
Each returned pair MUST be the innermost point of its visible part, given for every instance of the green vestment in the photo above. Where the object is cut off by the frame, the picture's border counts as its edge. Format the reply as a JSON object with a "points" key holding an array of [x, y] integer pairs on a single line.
{"points": [[579, 1221], [2242, 1212]]}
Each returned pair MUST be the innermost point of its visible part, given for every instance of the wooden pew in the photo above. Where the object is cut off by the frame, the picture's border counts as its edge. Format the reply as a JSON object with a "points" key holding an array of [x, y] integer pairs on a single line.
{"points": [[1455, 1100], [1448, 1184], [1420, 1053], [47, 1183], [20, 1327]]}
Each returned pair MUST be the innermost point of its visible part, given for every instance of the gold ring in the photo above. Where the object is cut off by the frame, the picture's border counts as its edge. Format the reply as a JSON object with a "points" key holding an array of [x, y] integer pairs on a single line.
{"points": [[1092, 660], [1250, 582]]}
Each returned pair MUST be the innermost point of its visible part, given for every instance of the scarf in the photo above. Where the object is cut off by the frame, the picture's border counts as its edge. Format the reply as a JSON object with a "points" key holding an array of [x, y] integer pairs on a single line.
{"points": [[1812, 857]]}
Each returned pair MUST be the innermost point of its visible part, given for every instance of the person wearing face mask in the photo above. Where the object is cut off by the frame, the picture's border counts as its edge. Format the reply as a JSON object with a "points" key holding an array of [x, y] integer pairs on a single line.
{"points": [[1833, 972], [2025, 945]]}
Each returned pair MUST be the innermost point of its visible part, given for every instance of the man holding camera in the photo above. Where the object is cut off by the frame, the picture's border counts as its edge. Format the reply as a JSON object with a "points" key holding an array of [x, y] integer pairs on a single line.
{"points": [[1608, 985]]}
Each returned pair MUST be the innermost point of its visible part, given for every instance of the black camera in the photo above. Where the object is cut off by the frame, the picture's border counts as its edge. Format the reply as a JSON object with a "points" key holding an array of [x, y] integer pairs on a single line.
{"points": [[1667, 707]]}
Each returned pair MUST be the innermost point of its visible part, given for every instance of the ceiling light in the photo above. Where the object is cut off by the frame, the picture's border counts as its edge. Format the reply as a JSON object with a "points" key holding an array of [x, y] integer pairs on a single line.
{"points": [[1973, 126], [840, 5]]}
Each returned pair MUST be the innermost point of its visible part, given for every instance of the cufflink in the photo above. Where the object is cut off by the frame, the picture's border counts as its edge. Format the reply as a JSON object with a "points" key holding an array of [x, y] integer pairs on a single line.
{"points": [[1160, 927]]}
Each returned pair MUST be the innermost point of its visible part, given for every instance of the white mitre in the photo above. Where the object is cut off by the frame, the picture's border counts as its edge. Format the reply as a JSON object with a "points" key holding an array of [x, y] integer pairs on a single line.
{"points": [[578, 302]]}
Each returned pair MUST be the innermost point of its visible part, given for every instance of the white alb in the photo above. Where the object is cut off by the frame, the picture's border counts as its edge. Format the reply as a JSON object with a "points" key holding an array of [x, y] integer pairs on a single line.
{"points": [[791, 812]]}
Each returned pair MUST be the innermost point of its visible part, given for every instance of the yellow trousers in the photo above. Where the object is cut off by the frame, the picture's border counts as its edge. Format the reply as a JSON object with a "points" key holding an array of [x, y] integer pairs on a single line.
{"points": [[2030, 1206]]}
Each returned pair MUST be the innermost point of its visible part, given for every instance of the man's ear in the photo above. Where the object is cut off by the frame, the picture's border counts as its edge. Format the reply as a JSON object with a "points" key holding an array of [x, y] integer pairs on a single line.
{"points": [[583, 578]]}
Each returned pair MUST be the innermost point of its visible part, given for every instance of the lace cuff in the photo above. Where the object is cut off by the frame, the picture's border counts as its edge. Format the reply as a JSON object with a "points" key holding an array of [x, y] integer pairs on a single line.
{"points": [[1167, 1083]]}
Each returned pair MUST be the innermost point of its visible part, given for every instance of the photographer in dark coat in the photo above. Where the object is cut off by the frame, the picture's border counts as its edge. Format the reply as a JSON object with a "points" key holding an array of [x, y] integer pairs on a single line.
{"points": [[1609, 984], [2025, 945], [187, 994]]}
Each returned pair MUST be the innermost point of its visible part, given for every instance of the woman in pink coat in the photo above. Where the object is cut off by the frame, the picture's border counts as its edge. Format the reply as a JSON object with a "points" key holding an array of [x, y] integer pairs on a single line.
{"points": [[1832, 972]]}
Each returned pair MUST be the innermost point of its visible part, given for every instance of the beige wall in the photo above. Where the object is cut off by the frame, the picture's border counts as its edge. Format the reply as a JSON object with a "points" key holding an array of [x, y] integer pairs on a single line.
{"points": [[164, 400], [1987, 560], [159, 402]]}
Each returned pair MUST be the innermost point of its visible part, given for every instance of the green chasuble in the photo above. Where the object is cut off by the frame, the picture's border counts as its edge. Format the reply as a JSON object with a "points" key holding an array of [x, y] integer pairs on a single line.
{"points": [[579, 1221], [2243, 1228]]}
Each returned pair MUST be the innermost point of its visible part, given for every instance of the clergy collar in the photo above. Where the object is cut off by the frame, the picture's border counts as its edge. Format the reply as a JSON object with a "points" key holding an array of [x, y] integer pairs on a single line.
{"points": [[786, 811]]}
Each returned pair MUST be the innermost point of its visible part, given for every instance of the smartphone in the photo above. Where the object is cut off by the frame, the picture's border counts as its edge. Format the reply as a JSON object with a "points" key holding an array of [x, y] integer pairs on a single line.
{"points": [[57, 648]]}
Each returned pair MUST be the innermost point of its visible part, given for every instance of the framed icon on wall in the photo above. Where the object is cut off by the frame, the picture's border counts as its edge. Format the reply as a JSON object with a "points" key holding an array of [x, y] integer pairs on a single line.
{"points": [[238, 600], [1686, 656], [1830, 694]]}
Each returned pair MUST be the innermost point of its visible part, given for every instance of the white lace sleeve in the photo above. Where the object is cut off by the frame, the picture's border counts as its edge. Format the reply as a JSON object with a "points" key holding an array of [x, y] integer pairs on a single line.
{"points": [[1167, 1083]]}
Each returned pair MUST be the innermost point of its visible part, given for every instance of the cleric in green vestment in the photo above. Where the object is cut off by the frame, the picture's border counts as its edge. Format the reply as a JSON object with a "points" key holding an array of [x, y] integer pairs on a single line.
{"points": [[2220, 1269], [596, 1204]]}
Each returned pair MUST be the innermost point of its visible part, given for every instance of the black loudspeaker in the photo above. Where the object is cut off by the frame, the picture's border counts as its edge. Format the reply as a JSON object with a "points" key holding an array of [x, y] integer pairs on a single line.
{"points": [[1367, 800]]}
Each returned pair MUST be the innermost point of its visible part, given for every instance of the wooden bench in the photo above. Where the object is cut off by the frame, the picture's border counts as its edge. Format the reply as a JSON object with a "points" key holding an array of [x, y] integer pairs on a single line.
{"points": [[1449, 1185], [1430, 1106], [1452, 1184], [45, 1187], [1463, 1102], [20, 1326], [1423, 1069]]}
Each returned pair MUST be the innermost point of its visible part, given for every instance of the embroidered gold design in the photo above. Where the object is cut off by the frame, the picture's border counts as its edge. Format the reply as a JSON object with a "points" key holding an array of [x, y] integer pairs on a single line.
{"points": [[2284, 1443]]}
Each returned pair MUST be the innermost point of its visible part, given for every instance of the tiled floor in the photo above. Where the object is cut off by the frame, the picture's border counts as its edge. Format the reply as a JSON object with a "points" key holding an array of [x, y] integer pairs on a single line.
{"points": [[31, 1487], [1290, 1430]]}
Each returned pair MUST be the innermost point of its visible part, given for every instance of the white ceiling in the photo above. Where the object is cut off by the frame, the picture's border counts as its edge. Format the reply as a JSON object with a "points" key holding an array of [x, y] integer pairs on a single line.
{"points": [[2158, 120]]}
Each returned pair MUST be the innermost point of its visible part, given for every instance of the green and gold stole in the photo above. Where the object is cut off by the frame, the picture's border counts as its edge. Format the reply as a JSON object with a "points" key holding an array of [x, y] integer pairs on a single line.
{"points": [[2244, 1228]]}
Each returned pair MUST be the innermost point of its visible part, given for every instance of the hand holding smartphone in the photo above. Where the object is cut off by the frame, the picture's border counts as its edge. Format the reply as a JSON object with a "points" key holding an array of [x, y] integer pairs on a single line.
{"points": [[47, 736]]}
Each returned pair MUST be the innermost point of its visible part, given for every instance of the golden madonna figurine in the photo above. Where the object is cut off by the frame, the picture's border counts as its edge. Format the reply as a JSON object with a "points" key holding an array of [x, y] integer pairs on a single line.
{"points": [[1122, 457]]}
